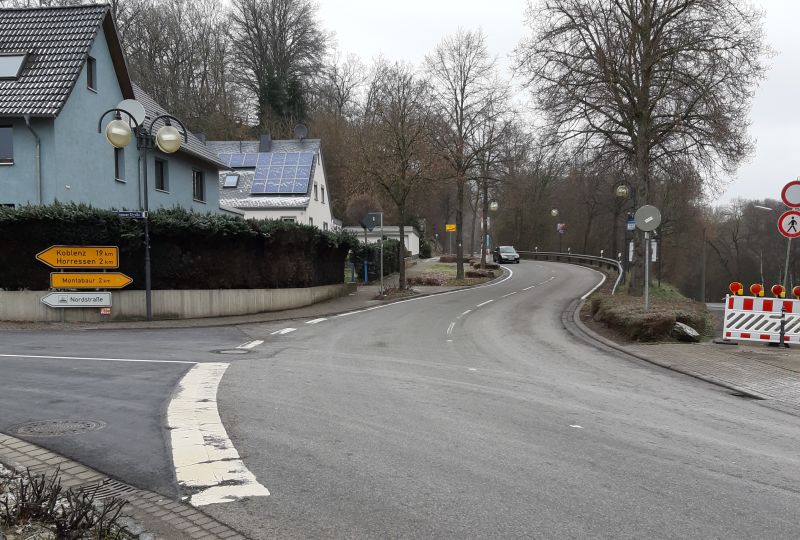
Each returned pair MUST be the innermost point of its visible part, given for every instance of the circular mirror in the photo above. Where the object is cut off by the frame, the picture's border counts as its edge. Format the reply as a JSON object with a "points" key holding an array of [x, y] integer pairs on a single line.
{"points": [[554, 212], [622, 191], [493, 206]]}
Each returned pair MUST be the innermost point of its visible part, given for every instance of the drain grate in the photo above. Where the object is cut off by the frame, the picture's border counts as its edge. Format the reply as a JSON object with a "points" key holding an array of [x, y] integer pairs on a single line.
{"points": [[110, 488], [57, 428]]}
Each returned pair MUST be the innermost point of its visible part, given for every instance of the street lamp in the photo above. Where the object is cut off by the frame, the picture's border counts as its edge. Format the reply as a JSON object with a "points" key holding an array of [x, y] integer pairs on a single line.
{"points": [[168, 140]]}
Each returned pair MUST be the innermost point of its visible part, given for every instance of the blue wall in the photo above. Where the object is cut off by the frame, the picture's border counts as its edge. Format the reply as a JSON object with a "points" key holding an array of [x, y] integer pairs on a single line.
{"points": [[78, 162]]}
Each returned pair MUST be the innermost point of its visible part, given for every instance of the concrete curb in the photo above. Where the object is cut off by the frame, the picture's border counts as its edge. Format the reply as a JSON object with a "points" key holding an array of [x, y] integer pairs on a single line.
{"points": [[590, 334], [161, 516]]}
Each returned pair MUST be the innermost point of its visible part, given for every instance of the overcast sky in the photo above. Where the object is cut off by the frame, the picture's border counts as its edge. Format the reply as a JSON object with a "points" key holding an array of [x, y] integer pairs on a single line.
{"points": [[409, 29]]}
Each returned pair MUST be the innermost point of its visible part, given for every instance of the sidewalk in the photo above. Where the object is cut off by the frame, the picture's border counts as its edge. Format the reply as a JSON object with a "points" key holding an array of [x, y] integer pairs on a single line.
{"points": [[364, 296], [150, 515], [754, 370]]}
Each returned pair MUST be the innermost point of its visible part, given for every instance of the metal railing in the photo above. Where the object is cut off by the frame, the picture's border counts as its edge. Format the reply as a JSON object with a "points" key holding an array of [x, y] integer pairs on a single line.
{"points": [[582, 260]]}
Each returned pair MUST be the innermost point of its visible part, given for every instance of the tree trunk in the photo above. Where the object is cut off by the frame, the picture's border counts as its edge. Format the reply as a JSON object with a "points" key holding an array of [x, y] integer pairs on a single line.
{"points": [[460, 228], [402, 258], [485, 235]]}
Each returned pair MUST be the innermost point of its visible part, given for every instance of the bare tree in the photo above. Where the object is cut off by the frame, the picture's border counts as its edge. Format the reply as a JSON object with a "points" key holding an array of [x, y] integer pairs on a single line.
{"points": [[394, 139], [340, 85], [280, 51], [648, 81], [464, 88]]}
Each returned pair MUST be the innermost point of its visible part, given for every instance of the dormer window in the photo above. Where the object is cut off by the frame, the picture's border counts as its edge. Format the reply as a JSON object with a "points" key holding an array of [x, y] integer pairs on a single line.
{"points": [[231, 181], [11, 65], [91, 73]]}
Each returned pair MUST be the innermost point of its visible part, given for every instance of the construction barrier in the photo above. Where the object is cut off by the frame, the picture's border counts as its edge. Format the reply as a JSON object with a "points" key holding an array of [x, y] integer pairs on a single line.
{"points": [[749, 318]]}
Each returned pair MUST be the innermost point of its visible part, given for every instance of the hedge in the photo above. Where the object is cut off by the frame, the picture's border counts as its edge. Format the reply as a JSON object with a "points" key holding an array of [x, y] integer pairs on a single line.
{"points": [[188, 250], [372, 254]]}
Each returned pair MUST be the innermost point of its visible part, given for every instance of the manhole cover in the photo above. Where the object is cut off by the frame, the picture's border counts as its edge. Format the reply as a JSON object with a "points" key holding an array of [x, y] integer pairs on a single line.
{"points": [[56, 428], [233, 351]]}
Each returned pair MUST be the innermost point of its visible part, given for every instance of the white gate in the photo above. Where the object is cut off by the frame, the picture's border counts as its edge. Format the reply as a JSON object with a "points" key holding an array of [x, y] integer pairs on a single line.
{"points": [[759, 319]]}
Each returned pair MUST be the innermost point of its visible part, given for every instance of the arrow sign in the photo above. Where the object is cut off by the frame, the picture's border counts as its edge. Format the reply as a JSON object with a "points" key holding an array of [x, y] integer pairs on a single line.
{"points": [[77, 299], [80, 256], [789, 224], [75, 280]]}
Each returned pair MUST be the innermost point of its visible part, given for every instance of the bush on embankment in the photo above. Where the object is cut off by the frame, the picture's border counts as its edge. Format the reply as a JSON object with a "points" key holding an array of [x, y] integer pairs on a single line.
{"points": [[188, 250], [626, 315]]}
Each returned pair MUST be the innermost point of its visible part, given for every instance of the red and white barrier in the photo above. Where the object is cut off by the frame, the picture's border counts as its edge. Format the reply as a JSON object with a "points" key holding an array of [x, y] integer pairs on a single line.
{"points": [[748, 318]]}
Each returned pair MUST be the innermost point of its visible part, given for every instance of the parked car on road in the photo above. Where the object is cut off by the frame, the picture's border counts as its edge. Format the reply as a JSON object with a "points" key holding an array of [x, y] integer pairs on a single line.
{"points": [[505, 254]]}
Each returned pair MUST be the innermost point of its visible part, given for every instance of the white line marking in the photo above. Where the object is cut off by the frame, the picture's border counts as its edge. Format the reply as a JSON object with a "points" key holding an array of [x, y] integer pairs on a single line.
{"points": [[465, 313], [351, 313], [317, 321], [483, 304], [509, 294], [529, 288], [449, 341], [472, 369], [96, 359], [206, 462], [585, 296], [283, 331], [576, 426], [450, 328], [250, 344]]}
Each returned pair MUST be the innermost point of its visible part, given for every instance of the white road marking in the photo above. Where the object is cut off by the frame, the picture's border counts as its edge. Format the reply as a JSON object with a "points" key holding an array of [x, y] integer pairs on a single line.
{"points": [[250, 344], [509, 294], [483, 304], [472, 369], [317, 321], [351, 313], [449, 341], [450, 328], [94, 359], [576, 426], [465, 313], [588, 294], [206, 462], [529, 288], [283, 331]]}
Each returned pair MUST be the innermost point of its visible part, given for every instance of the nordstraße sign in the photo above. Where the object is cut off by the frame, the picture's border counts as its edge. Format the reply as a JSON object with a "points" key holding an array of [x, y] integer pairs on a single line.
{"points": [[77, 299], [80, 256]]}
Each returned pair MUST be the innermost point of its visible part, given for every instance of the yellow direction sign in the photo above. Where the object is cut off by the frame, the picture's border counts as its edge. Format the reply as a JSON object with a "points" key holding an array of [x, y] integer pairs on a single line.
{"points": [[450, 227], [80, 256], [86, 280]]}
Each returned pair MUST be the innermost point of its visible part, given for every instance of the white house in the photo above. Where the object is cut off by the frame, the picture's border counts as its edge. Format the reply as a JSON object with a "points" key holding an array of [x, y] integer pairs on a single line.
{"points": [[391, 232], [281, 179]]}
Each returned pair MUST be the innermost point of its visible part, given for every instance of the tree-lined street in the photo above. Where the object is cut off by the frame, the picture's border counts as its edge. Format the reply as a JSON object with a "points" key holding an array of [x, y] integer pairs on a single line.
{"points": [[482, 417]]}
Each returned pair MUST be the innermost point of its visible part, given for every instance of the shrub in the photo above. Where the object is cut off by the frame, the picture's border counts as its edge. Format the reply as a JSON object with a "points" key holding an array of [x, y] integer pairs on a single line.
{"points": [[450, 259], [425, 249], [188, 250], [372, 254], [479, 274], [627, 316], [432, 281]]}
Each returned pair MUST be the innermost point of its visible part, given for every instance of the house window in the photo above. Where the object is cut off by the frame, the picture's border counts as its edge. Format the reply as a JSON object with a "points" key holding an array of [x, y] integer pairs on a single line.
{"points": [[316, 197], [324, 225], [198, 186], [119, 164], [231, 181], [91, 73], [311, 221], [6, 145], [11, 65], [323, 194], [162, 179], [288, 219]]}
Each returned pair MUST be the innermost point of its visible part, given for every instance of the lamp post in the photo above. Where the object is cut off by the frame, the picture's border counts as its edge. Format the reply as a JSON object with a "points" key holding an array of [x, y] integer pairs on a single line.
{"points": [[623, 191], [168, 140], [788, 250], [555, 213]]}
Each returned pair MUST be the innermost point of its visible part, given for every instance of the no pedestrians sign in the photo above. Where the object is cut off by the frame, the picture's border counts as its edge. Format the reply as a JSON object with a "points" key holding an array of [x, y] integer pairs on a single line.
{"points": [[789, 224]]}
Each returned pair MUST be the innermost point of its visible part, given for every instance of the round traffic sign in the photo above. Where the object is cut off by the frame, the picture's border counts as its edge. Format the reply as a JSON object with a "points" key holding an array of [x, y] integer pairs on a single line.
{"points": [[791, 194], [789, 224], [648, 218]]}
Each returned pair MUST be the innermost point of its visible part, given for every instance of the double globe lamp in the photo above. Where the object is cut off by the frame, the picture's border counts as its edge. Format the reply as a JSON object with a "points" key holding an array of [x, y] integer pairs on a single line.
{"points": [[119, 135]]}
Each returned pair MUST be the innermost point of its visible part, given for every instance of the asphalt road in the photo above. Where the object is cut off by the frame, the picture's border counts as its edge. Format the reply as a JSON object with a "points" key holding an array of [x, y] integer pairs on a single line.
{"points": [[467, 415]]}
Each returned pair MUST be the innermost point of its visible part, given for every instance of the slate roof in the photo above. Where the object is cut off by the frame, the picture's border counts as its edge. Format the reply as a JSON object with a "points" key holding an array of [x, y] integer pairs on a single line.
{"points": [[193, 146], [58, 41]]}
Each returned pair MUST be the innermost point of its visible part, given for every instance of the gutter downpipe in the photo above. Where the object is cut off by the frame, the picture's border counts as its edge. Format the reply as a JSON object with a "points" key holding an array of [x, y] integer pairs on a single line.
{"points": [[38, 156]]}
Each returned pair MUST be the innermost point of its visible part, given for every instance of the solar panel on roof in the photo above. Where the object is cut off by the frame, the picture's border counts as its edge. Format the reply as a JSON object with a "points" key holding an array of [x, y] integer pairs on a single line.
{"points": [[275, 172]]}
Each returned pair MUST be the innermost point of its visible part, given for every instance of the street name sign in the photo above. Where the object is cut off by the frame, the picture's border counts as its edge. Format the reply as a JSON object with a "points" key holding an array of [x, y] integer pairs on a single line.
{"points": [[789, 224], [76, 280], [80, 256], [450, 227], [648, 218], [132, 214], [77, 299], [791, 194]]}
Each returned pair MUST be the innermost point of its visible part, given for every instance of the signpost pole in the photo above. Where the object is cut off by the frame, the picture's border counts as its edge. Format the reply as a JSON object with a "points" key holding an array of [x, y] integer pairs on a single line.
{"points": [[647, 271], [786, 266], [148, 300], [382, 253]]}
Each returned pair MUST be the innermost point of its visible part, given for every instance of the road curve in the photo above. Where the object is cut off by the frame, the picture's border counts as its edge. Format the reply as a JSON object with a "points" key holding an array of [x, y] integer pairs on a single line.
{"points": [[477, 415]]}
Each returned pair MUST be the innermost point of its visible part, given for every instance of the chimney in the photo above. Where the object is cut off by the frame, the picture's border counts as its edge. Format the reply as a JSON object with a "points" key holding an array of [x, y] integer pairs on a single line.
{"points": [[265, 142]]}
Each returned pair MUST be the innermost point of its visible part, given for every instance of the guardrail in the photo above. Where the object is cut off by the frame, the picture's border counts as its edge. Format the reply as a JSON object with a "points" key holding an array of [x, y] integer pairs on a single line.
{"points": [[583, 260]]}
